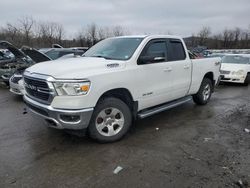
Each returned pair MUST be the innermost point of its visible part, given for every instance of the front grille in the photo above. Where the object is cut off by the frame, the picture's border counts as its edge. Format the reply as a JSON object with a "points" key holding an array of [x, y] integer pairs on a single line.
{"points": [[225, 79], [224, 72], [37, 89], [16, 79]]}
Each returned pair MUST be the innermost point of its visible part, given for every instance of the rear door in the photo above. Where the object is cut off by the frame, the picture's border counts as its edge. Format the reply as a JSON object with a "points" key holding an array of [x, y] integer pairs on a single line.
{"points": [[181, 68]]}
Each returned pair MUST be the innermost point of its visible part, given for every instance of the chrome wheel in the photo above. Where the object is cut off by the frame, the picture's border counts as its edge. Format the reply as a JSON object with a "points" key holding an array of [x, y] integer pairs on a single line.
{"points": [[109, 121], [206, 92]]}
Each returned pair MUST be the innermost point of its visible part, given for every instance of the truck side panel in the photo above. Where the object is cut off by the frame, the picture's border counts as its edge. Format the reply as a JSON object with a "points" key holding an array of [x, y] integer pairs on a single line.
{"points": [[200, 68]]}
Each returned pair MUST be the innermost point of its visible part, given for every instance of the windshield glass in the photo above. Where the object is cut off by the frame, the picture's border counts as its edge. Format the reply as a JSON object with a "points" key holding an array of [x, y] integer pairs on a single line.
{"points": [[114, 48], [236, 59], [53, 54]]}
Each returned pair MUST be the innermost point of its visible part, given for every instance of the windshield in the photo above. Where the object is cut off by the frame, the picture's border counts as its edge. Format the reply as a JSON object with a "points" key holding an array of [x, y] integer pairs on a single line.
{"points": [[236, 59], [114, 48], [54, 54]]}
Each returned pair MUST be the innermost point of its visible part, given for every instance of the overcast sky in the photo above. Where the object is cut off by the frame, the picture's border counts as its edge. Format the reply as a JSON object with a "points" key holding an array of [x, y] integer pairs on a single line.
{"points": [[180, 17]]}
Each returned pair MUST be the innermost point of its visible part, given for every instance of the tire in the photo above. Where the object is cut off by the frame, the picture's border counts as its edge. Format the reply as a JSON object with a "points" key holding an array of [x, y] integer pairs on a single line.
{"points": [[203, 95], [110, 121], [247, 80], [7, 83]]}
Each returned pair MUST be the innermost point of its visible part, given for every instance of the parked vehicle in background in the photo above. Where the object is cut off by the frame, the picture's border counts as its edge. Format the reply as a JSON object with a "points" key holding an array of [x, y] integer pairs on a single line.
{"points": [[56, 53], [84, 49], [193, 55], [4, 58], [6, 53], [215, 55], [117, 80], [18, 60], [56, 46], [16, 82], [236, 68]]}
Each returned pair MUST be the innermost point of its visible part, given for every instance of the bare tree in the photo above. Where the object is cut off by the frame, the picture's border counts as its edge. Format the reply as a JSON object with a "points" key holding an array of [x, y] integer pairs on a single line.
{"points": [[81, 39], [91, 32], [118, 31], [203, 35], [228, 37], [104, 32], [12, 34], [49, 33], [237, 33], [26, 27]]}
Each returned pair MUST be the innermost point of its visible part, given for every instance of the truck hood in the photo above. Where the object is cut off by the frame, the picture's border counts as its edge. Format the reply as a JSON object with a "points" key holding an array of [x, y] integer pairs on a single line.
{"points": [[12, 49], [76, 68], [235, 67], [35, 55]]}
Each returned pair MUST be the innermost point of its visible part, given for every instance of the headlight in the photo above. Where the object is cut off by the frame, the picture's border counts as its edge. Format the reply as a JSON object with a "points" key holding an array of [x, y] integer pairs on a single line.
{"points": [[72, 88], [239, 73]]}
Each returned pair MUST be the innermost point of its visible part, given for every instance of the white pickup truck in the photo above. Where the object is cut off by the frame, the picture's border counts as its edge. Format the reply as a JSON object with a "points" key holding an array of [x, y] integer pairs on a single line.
{"points": [[118, 80]]}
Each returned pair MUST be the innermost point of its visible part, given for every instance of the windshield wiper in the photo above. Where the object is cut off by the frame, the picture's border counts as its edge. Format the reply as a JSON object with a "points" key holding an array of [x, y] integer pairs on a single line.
{"points": [[101, 56]]}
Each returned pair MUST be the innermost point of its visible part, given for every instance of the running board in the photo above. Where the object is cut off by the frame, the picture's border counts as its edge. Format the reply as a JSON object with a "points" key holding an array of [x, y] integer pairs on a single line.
{"points": [[163, 107]]}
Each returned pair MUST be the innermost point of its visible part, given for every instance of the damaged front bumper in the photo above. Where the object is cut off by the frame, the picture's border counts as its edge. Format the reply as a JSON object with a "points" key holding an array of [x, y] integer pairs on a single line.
{"points": [[233, 79]]}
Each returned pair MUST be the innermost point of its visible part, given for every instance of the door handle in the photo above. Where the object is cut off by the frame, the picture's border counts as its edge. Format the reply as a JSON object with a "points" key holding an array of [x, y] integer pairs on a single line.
{"points": [[186, 66], [168, 69]]}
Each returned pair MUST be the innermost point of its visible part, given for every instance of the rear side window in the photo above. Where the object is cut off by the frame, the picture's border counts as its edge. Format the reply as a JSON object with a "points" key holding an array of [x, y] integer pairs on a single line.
{"points": [[176, 50]]}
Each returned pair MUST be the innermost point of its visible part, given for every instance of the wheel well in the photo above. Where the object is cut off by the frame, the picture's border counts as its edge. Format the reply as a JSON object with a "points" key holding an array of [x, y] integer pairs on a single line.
{"points": [[210, 76], [124, 95]]}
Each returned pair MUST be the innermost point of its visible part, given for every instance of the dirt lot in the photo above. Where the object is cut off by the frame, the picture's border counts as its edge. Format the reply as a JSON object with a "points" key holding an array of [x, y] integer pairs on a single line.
{"points": [[188, 146]]}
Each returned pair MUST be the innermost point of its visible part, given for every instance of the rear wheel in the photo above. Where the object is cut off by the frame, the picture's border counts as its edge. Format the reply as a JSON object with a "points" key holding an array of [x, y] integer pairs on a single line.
{"points": [[203, 95], [110, 121]]}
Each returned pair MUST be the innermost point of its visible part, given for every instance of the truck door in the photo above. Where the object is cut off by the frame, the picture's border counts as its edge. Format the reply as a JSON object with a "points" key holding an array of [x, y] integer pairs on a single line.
{"points": [[181, 68], [154, 74]]}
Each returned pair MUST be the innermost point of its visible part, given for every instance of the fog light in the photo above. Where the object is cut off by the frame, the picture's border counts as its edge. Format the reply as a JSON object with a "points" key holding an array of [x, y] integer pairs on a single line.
{"points": [[70, 118], [51, 122]]}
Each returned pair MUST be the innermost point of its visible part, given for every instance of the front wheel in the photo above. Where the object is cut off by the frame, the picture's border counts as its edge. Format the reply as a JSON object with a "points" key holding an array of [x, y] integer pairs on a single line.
{"points": [[203, 95], [110, 121]]}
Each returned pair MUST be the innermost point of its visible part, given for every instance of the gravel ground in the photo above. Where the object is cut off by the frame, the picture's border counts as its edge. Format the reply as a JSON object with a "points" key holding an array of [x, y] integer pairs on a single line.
{"points": [[188, 146]]}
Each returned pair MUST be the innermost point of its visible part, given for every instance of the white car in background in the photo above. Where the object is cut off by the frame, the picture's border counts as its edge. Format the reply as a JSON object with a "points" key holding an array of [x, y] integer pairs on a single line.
{"points": [[236, 68], [17, 85]]}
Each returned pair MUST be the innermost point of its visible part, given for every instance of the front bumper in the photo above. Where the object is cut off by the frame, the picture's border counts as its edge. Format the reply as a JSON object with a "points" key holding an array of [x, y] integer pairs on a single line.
{"points": [[6, 78], [60, 118], [16, 88], [233, 79]]}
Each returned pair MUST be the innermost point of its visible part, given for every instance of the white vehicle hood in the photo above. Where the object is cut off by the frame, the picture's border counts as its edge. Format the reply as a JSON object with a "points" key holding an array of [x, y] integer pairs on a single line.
{"points": [[235, 67], [76, 68]]}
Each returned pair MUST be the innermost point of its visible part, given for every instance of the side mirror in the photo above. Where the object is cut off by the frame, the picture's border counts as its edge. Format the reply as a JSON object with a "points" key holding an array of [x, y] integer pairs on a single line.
{"points": [[155, 57]]}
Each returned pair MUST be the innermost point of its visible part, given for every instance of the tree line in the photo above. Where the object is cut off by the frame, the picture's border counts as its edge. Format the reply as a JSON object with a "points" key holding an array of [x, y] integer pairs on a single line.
{"points": [[38, 34], [236, 38], [29, 32]]}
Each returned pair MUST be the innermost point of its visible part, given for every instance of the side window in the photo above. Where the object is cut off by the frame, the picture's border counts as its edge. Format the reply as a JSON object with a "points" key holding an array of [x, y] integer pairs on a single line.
{"points": [[157, 48], [176, 51], [154, 52]]}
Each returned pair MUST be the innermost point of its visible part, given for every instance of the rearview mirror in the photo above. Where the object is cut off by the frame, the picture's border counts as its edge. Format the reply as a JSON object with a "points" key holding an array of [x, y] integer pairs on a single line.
{"points": [[155, 57]]}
